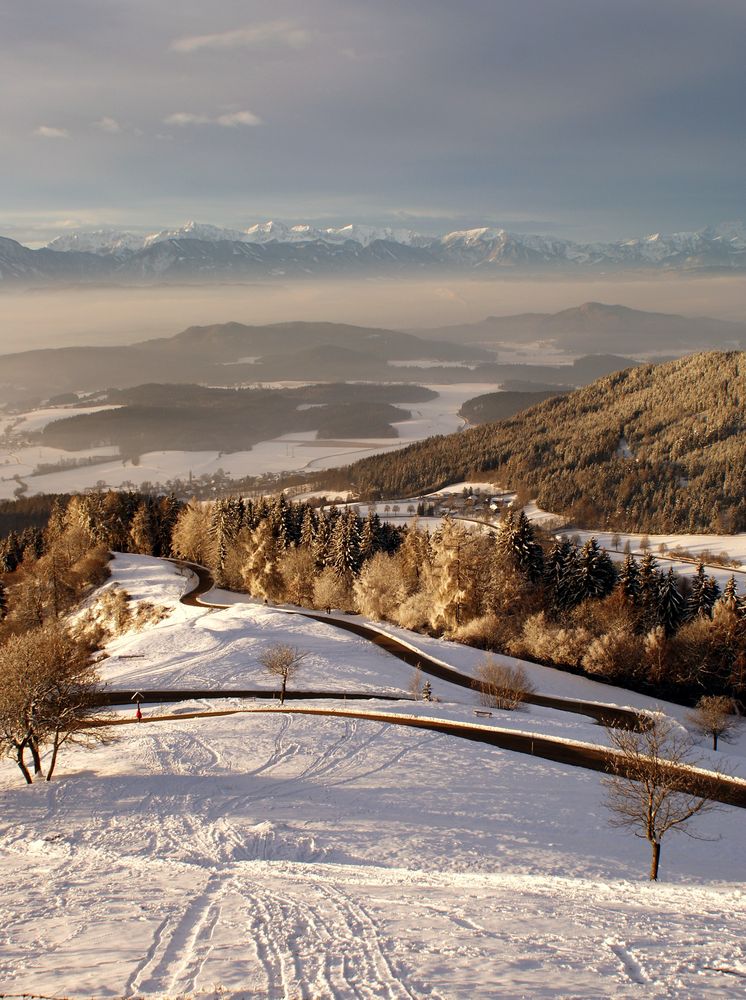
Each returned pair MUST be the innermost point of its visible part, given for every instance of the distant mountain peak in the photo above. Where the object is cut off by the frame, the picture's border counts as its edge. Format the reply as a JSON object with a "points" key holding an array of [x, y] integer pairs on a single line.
{"points": [[202, 251]]}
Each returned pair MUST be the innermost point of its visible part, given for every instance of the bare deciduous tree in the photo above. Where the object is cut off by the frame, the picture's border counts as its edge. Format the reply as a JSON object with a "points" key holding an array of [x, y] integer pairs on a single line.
{"points": [[48, 686], [653, 787], [283, 661], [715, 716], [502, 686]]}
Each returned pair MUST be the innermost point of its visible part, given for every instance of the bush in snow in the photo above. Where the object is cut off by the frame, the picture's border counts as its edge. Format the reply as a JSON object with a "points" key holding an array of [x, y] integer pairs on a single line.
{"points": [[502, 686]]}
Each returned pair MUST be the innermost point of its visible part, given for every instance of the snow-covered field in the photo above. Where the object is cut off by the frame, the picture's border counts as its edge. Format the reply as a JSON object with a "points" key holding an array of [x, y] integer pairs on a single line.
{"points": [[288, 856]]}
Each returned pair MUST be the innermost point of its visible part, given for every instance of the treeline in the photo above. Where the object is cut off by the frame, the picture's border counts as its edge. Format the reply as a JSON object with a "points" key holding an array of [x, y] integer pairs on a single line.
{"points": [[514, 591], [656, 448], [27, 512]]}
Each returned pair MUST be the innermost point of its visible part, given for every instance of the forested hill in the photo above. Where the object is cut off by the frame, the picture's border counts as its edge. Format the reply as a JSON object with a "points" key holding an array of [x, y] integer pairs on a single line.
{"points": [[658, 447]]}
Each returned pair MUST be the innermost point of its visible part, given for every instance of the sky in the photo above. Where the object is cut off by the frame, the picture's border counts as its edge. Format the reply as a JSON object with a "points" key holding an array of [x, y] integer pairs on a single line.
{"points": [[590, 119]]}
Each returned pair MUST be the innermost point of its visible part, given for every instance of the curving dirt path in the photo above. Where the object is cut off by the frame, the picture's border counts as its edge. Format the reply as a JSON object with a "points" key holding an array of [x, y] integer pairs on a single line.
{"points": [[604, 715], [725, 790]]}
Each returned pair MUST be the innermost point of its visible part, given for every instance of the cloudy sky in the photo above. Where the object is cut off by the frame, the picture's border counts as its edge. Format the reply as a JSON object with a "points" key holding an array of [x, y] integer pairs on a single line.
{"points": [[586, 118]]}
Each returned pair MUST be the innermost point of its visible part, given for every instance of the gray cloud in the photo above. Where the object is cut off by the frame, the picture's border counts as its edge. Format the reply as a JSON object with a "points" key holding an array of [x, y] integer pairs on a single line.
{"points": [[50, 132], [230, 119], [594, 116], [108, 124], [290, 34]]}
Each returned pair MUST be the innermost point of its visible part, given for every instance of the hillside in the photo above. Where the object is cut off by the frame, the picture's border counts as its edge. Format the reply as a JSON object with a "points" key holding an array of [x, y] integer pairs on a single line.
{"points": [[288, 855], [227, 354], [650, 448]]}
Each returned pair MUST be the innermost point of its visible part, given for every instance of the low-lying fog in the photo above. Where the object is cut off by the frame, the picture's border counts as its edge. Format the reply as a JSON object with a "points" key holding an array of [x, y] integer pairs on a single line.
{"points": [[57, 318]]}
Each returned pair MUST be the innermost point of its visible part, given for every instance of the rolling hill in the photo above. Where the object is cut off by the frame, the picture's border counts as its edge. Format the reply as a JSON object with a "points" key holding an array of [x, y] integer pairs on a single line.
{"points": [[597, 327]]}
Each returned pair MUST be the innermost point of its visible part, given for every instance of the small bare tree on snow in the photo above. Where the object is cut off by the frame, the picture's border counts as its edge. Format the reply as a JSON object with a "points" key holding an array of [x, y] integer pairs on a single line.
{"points": [[502, 686], [715, 716], [652, 787], [284, 662], [48, 687], [415, 685]]}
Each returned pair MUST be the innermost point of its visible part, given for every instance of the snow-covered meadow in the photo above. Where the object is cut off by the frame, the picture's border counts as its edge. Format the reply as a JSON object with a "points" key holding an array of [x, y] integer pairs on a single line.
{"points": [[287, 856]]}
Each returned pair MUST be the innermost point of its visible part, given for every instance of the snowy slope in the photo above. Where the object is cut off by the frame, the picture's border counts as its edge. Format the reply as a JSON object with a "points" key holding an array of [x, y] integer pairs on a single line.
{"points": [[288, 856]]}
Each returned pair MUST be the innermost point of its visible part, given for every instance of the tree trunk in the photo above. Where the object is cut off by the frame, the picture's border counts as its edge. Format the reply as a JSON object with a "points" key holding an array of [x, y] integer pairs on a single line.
{"points": [[714, 741], [22, 764], [35, 756], [53, 761], [282, 692], [655, 860]]}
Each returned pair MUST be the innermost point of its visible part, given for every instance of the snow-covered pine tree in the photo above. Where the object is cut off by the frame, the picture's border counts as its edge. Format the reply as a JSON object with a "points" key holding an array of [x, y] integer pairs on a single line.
{"points": [[308, 528], [344, 546], [703, 594], [729, 597], [650, 581], [321, 542], [227, 517], [261, 568], [596, 573], [279, 518], [166, 511], [142, 530], [671, 606], [457, 581], [516, 541], [629, 579], [370, 536], [561, 575]]}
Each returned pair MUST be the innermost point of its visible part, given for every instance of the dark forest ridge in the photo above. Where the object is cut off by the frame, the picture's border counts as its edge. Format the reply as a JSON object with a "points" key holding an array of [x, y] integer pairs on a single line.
{"points": [[159, 417], [653, 448]]}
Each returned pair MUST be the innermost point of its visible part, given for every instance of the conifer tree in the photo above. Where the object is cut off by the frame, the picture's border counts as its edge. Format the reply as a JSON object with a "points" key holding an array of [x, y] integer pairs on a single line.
{"points": [[671, 607], [650, 580], [344, 545], [561, 575], [516, 540], [262, 570], [629, 579], [729, 597], [167, 510], [321, 540], [596, 574], [308, 528], [370, 536], [142, 530], [705, 592]]}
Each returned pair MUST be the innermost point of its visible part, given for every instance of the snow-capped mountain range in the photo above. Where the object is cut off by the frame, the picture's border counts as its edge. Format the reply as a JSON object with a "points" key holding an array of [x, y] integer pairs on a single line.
{"points": [[107, 241], [202, 252]]}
